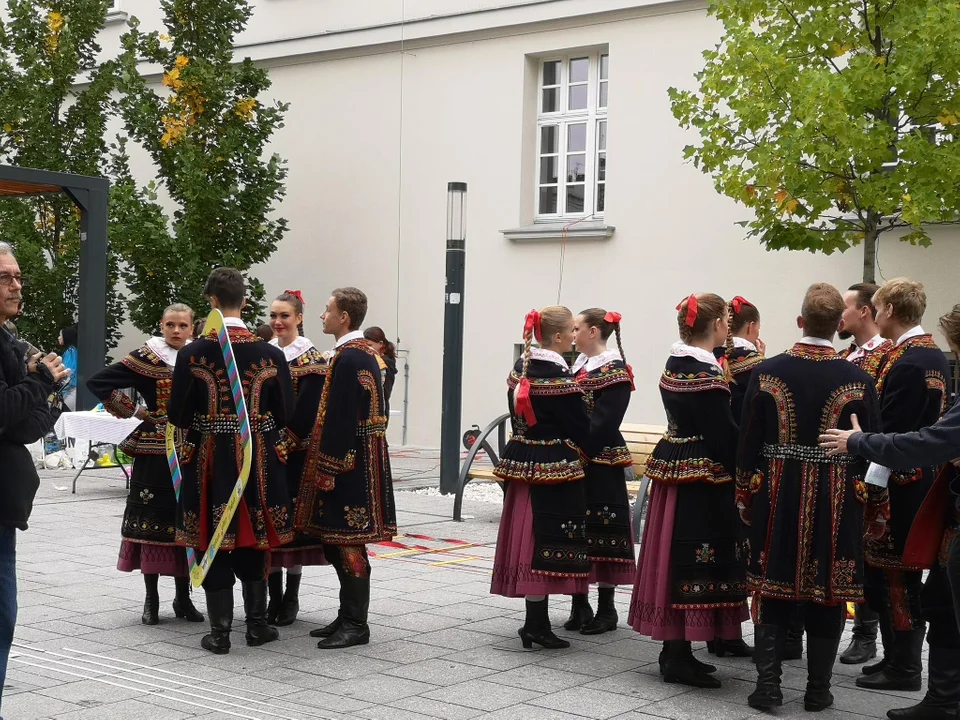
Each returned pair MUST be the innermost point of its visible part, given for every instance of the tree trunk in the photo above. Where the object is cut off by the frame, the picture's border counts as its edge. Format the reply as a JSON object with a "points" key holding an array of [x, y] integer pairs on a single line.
{"points": [[870, 255]]}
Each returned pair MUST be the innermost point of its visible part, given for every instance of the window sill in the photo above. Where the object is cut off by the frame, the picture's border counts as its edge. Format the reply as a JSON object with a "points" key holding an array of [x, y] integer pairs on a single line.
{"points": [[116, 16], [589, 230]]}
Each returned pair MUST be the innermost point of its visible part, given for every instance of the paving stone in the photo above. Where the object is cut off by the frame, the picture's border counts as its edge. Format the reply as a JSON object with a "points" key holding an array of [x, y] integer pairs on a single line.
{"points": [[453, 638], [699, 705], [28, 706], [496, 658], [436, 708], [91, 692], [590, 663], [481, 695], [640, 685], [524, 711], [378, 688], [420, 622], [542, 679], [441, 672], [589, 703], [309, 700], [129, 710]]}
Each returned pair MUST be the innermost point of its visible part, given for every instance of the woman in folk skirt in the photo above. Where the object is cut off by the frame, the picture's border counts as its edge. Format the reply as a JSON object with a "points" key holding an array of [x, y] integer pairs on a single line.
{"points": [[607, 382], [308, 370], [691, 579], [542, 546], [148, 522]]}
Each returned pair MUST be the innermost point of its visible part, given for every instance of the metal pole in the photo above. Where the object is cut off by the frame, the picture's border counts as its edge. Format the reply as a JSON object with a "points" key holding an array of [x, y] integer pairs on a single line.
{"points": [[452, 391]]}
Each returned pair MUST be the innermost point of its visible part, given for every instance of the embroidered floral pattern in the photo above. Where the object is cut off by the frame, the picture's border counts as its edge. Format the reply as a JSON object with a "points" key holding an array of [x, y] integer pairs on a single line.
{"points": [[786, 408], [357, 517], [706, 553], [676, 472], [837, 403], [693, 382], [146, 496]]}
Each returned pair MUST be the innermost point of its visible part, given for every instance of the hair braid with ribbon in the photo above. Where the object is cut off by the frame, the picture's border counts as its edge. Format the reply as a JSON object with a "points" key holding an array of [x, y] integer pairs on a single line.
{"points": [[614, 318], [522, 404]]}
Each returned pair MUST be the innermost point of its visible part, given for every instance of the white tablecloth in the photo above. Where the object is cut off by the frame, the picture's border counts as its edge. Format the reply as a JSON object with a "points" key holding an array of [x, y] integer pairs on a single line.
{"points": [[94, 427]]}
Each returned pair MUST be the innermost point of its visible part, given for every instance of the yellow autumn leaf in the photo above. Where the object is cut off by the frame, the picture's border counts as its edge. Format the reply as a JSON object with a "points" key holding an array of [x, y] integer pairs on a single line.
{"points": [[7, 127], [947, 118], [790, 207], [181, 62], [841, 49]]}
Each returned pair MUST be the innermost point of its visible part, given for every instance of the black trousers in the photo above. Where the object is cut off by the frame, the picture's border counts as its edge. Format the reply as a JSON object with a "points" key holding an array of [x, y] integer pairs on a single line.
{"points": [[244, 564], [895, 596], [820, 621]]}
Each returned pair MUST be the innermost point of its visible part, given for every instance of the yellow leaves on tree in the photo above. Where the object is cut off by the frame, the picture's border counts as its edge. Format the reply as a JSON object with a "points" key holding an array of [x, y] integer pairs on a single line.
{"points": [[786, 203], [55, 23], [948, 117], [244, 108], [186, 102]]}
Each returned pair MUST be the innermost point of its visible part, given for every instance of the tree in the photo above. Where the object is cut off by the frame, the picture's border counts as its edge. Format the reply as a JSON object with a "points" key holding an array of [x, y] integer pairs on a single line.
{"points": [[46, 124], [207, 137], [833, 121]]}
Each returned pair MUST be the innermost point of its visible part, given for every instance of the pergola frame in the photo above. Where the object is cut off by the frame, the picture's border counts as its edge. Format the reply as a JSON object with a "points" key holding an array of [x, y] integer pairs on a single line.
{"points": [[90, 195]]}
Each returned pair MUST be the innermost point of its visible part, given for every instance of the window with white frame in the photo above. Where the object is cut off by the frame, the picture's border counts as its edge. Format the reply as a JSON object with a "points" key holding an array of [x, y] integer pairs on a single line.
{"points": [[572, 135]]}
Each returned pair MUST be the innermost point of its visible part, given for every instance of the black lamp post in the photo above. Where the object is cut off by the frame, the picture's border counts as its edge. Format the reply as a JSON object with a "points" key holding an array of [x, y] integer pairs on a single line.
{"points": [[452, 391]]}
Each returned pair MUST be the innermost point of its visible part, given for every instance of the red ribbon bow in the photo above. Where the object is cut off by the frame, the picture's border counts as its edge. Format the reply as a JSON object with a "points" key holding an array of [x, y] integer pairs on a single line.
{"points": [[531, 324], [613, 317], [522, 403], [297, 294], [691, 309], [738, 303]]}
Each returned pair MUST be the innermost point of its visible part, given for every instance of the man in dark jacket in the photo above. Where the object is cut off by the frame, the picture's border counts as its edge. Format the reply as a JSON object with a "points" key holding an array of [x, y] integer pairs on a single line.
{"points": [[24, 418]]}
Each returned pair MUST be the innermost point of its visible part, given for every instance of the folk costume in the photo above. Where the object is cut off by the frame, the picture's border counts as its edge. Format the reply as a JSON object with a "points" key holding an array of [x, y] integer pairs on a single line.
{"points": [[542, 545], [869, 357], [742, 359], [805, 510], [148, 530], [912, 387], [607, 384], [690, 583], [346, 491], [308, 369], [201, 403], [940, 597]]}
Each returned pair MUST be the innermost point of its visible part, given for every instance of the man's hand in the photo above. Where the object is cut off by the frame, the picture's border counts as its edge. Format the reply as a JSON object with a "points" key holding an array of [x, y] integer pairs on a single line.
{"points": [[835, 441], [53, 363]]}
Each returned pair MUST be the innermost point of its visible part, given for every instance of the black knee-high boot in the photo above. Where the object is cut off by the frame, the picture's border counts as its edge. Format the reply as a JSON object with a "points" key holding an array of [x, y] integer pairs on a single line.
{"points": [[275, 587], [182, 604], [151, 604]]}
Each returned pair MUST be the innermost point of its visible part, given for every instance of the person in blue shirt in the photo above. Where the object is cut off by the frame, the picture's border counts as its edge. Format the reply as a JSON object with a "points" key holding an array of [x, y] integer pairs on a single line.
{"points": [[68, 340]]}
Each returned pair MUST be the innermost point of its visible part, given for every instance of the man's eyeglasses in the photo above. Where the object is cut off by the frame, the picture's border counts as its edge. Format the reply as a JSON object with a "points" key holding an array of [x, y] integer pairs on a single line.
{"points": [[7, 279]]}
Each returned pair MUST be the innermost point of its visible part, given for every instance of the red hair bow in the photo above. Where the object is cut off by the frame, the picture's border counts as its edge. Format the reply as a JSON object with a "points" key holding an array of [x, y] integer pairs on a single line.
{"points": [[738, 303], [531, 324], [613, 317], [691, 309], [297, 294]]}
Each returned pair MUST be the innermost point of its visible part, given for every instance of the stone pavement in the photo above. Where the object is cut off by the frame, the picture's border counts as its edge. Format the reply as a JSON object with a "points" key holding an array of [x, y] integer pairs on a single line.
{"points": [[442, 646]]}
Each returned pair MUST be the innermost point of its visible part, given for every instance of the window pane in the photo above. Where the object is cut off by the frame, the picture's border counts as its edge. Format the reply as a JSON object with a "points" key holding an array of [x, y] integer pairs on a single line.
{"points": [[551, 100], [548, 169], [574, 198], [602, 167], [578, 97], [548, 201], [551, 73], [579, 70], [604, 93], [601, 196], [576, 168], [604, 67], [549, 137], [602, 135], [576, 137]]}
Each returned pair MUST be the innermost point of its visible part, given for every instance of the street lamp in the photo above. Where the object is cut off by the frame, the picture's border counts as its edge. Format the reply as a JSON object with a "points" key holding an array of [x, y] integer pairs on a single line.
{"points": [[452, 390]]}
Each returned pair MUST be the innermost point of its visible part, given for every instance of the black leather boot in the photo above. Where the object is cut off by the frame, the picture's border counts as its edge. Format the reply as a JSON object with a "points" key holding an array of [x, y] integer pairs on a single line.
{"points": [[821, 655], [698, 665], [151, 603], [259, 631], [182, 604], [330, 629], [290, 606], [353, 630], [885, 624], [769, 643], [537, 629], [677, 667], [220, 610], [275, 586], [863, 646], [733, 648], [793, 649], [903, 671], [942, 701], [606, 618], [581, 614]]}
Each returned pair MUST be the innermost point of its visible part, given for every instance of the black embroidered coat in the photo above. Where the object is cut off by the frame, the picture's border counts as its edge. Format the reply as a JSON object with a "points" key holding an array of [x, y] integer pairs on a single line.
{"points": [[201, 402], [547, 456], [346, 494], [150, 513], [870, 361], [607, 392], [741, 363], [698, 455], [913, 394], [807, 524]]}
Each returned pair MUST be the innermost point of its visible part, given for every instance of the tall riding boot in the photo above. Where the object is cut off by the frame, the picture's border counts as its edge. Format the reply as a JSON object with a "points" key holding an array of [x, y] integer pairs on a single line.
{"points": [[330, 629], [255, 607], [769, 642], [353, 628], [903, 672], [606, 618], [220, 610], [290, 606], [942, 701], [581, 614], [863, 646], [793, 649], [275, 586], [888, 639], [537, 629], [677, 667], [821, 655], [182, 604], [151, 603]]}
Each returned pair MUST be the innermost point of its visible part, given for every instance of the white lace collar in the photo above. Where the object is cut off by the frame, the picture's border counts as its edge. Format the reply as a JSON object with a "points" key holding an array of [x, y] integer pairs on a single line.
{"points": [[681, 349], [295, 349], [744, 344], [911, 333], [163, 351], [597, 361], [549, 356]]}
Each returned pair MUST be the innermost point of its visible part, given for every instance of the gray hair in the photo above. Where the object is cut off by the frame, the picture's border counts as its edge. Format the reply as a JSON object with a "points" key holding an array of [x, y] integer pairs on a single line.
{"points": [[6, 248], [176, 307]]}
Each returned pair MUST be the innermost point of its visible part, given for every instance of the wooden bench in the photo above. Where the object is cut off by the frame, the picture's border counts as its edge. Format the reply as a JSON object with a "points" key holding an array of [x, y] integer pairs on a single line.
{"points": [[640, 439]]}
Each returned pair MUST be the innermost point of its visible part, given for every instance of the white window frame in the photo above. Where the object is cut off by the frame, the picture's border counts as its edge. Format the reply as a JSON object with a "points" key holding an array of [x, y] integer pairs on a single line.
{"points": [[592, 116]]}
